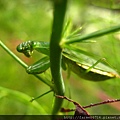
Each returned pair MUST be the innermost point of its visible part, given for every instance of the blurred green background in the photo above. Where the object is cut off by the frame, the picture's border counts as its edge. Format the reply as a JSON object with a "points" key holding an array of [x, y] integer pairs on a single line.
{"points": [[22, 20]]}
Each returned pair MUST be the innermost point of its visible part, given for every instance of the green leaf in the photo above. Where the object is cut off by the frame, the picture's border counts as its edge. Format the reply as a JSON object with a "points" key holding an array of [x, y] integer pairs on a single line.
{"points": [[21, 97], [91, 35]]}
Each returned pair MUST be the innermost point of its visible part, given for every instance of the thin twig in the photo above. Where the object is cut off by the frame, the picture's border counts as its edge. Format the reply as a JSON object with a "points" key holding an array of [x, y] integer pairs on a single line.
{"points": [[101, 103]]}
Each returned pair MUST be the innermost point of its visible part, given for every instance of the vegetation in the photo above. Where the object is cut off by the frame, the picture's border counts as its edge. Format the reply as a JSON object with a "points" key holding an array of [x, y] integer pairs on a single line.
{"points": [[31, 20]]}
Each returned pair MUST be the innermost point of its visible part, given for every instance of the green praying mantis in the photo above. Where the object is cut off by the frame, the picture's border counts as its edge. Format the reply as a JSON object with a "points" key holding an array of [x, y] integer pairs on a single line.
{"points": [[76, 60]]}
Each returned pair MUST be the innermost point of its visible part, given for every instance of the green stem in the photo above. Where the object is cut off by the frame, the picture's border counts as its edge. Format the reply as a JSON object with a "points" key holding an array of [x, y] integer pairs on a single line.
{"points": [[13, 55], [40, 96], [92, 35], [47, 82], [55, 51]]}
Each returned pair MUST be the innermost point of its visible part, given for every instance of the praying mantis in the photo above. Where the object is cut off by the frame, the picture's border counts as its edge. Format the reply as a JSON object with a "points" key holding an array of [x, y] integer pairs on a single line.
{"points": [[72, 58]]}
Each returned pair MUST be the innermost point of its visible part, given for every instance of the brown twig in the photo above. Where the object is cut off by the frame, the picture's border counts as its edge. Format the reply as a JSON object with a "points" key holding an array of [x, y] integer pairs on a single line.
{"points": [[101, 103]]}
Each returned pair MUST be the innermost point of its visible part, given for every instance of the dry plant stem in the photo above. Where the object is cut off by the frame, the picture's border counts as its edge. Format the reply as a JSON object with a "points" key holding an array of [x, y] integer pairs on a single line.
{"points": [[88, 106], [101, 103], [103, 96]]}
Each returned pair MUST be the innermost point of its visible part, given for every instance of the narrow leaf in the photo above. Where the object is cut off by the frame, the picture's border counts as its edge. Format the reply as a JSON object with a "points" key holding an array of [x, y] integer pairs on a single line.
{"points": [[92, 35]]}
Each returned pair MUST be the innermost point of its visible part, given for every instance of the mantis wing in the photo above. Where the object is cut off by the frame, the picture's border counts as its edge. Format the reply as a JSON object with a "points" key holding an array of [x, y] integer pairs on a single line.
{"points": [[79, 63]]}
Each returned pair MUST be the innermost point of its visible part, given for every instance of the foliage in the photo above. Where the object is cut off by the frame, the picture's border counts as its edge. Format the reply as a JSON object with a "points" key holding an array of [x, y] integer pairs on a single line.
{"points": [[21, 21]]}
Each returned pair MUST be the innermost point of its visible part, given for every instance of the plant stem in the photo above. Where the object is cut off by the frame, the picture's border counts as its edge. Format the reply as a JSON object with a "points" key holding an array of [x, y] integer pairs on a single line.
{"points": [[92, 35], [40, 96], [55, 51], [47, 82], [13, 55]]}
